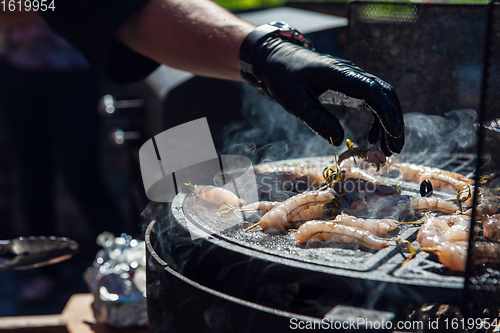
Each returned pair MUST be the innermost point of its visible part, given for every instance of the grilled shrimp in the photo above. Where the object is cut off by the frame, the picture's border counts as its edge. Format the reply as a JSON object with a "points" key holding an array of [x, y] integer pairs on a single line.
{"points": [[413, 172], [432, 204], [292, 172], [277, 218], [491, 227], [375, 226], [487, 202], [352, 171], [373, 156], [459, 227], [485, 252], [259, 207], [431, 232], [443, 181], [335, 232], [446, 228], [217, 195], [311, 213], [452, 255]]}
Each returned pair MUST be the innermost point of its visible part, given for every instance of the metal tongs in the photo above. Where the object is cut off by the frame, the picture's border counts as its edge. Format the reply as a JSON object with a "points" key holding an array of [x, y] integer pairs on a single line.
{"points": [[32, 252]]}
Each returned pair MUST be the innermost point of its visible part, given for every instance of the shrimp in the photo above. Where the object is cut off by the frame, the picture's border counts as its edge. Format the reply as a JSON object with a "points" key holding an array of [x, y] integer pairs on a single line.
{"points": [[432, 204], [373, 156], [487, 202], [217, 195], [443, 181], [452, 255], [289, 175], [485, 252], [459, 228], [311, 213], [259, 207], [413, 172], [431, 232], [375, 226], [277, 218], [491, 227], [447, 236], [446, 228], [335, 232], [350, 171]]}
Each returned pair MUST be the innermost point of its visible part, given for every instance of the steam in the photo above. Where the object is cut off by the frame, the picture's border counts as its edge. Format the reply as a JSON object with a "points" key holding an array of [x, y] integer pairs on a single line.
{"points": [[269, 133], [430, 138]]}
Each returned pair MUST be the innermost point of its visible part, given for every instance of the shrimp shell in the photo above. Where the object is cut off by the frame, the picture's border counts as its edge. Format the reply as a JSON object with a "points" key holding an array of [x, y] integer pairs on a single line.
{"points": [[431, 232], [442, 181], [487, 202], [259, 207], [277, 218], [432, 204], [311, 213], [217, 195], [335, 232], [459, 228], [375, 226], [446, 228], [453, 255], [485, 252], [491, 227], [354, 172], [373, 156], [412, 172]]}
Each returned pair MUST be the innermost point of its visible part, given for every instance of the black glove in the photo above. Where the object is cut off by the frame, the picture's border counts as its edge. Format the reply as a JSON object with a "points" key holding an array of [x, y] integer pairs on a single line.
{"points": [[295, 76]]}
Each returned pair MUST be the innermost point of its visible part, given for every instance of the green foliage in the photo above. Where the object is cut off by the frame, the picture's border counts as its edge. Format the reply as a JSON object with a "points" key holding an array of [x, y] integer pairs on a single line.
{"points": [[249, 4]]}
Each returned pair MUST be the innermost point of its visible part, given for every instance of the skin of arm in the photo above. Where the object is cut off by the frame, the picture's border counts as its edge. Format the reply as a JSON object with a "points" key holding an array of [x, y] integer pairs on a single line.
{"points": [[193, 35]]}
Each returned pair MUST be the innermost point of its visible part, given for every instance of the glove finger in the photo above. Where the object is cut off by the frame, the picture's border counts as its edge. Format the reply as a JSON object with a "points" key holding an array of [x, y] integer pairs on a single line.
{"points": [[374, 131], [320, 120], [383, 144], [395, 145], [385, 104], [379, 95]]}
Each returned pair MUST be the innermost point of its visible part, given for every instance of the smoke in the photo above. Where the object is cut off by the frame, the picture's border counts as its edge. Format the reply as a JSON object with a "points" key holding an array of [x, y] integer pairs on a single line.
{"points": [[269, 133], [430, 138]]}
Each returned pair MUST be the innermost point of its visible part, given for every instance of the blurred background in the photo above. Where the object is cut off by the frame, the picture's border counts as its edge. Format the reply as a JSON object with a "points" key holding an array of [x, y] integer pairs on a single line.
{"points": [[46, 290]]}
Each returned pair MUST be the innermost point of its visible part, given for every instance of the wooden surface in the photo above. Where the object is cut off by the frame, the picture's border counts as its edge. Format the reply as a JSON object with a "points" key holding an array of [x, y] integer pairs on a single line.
{"points": [[77, 317]]}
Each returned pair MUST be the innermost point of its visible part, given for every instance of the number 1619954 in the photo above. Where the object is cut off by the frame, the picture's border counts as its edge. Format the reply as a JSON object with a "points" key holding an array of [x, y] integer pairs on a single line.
{"points": [[27, 5]]}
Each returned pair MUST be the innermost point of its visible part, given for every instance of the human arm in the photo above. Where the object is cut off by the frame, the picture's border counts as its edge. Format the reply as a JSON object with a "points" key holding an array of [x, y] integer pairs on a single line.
{"points": [[206, 40], [201, 37], [194, 35]]}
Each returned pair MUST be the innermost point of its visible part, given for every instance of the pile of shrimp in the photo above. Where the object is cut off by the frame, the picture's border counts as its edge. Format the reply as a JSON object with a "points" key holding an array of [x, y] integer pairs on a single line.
{"points": [[447, 236], [488, 203], [328, 205]]}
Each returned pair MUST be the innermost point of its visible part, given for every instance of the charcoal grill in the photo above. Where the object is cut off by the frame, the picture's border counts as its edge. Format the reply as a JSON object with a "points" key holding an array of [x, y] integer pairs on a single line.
{"points": [[271, 272], [209, 279]]}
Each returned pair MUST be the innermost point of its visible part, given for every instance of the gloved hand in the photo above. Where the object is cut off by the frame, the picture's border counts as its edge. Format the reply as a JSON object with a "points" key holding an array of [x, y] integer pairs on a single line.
{"points": [[296, 76]]}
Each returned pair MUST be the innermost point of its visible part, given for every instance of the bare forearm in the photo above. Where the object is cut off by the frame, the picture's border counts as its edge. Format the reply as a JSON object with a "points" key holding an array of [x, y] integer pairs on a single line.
{"points": [[193, 35]]}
